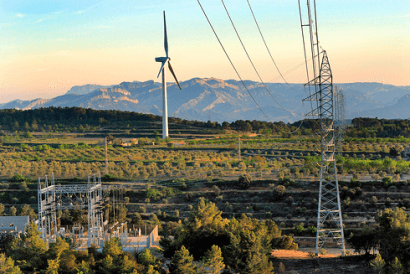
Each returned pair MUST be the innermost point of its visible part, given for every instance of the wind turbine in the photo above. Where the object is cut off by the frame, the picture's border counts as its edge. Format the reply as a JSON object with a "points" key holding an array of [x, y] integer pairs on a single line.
{"points": [[164, 61]]}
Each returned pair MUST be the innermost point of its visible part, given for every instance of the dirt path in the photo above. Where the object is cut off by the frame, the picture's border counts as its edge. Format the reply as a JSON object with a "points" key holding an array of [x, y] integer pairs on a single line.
{"points": [[299, 262]]}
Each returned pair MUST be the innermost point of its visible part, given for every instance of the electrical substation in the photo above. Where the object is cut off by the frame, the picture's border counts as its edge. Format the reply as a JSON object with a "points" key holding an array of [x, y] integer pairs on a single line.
{"points": [[87, 198]]}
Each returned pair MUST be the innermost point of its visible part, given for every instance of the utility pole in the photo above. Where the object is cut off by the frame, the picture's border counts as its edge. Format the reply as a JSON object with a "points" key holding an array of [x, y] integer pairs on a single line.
{"points": [[106, 157], [239, 148]]}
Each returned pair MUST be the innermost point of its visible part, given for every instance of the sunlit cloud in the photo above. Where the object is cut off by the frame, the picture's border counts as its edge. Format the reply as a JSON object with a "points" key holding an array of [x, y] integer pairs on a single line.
{"points": [[80, 11], [38, 21], [20, 15], [406, 15]]}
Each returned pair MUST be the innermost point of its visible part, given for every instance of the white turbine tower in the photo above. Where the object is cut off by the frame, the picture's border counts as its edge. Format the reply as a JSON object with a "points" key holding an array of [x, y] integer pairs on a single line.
{"points": [[165, 60]]}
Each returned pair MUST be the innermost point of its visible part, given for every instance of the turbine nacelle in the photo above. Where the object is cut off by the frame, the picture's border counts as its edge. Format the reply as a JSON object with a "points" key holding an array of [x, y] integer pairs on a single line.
{"points": [[162, 59]]}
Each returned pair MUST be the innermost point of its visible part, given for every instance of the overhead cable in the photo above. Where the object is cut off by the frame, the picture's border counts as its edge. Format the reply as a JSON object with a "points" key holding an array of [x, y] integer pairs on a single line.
{"points": [[249, 58], [266, 45], [230, 61]]}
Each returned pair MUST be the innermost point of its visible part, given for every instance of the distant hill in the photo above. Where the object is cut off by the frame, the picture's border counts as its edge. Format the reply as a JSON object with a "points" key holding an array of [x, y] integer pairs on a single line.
{"points": [[210, 98]]}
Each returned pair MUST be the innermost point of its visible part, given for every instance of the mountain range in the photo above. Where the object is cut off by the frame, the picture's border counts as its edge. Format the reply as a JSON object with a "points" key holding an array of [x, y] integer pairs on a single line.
{"points": [[227, 100]]}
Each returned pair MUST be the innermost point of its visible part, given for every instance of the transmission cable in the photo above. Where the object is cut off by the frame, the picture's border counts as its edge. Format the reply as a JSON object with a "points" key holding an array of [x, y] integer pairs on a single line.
{"points": [[266, 45], [304, 52], [249, 58], [230, 61]]}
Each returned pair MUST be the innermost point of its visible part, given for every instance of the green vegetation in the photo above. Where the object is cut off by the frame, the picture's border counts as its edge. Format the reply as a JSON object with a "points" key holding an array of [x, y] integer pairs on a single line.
{"points": [[194, 186]]}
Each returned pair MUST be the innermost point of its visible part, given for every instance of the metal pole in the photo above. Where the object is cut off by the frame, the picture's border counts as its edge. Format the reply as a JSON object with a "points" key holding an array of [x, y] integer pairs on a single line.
{"points": [[165, 106]]}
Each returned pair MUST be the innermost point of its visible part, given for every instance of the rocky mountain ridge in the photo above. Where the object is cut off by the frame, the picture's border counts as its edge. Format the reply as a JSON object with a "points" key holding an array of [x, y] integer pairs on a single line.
{"points": [[220, 100]]}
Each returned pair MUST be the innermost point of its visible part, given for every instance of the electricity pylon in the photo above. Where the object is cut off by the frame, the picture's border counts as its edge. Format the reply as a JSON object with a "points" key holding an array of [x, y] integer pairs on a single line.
{"points": [[329, 216]]}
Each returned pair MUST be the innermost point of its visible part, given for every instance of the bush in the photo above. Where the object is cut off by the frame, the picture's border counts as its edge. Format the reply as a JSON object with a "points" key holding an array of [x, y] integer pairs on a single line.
{"points": [[387, 181], [244, 181], [299, 229], [108, 177], [279, 192], [18, 178]]}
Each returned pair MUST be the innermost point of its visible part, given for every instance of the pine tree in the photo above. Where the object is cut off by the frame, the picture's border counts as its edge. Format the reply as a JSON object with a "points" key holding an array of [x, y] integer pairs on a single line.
{"points": [[7, 265], [182, 262], [213, 260], [378, 264]]}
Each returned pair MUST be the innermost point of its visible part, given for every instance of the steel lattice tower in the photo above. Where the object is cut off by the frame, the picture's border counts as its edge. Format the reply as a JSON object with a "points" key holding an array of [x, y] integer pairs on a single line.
{"points": [[329, 216]]}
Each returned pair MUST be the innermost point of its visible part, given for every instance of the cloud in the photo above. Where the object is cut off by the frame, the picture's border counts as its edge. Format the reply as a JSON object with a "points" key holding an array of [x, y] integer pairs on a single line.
{"points": [[80, 11], [20, 15], [406, 15], [38, 21]]}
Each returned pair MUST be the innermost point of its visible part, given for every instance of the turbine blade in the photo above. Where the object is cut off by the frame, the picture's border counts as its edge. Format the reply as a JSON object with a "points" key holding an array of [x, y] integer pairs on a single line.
{"points": [[165, 36], [173, 74], [162, 66]]}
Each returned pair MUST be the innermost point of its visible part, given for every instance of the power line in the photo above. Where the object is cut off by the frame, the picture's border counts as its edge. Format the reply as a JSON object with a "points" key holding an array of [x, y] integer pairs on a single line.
{"points": [[230, 61], [266, 45], [249, 58]]}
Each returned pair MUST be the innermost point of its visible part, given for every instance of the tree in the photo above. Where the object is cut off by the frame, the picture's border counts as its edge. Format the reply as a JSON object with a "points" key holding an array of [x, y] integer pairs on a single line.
{"points": [[279, 192], [30, 248], [112, 248], [84, 268], [244, 181], [396, 267], [205, 213], [365, 240], [378, 264], [249, 246], [137, 219], [147, 259], [57, 248], [182, 262], [18, 178], [27, 210], [394, 235], [7, 265], [286, 242], [13, 211], [213, 260], [52, 267], [107, 265]]}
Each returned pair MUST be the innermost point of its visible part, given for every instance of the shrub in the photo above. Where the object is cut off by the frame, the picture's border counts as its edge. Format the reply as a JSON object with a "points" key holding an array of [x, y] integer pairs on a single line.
{"points": [[299, 229], [18, 178], [279, 192], [244, 181], [387, 181], [142, 209]]}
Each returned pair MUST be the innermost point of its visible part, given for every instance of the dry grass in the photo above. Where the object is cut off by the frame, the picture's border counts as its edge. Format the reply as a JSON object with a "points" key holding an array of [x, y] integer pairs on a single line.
{"points": [[294, 254]]}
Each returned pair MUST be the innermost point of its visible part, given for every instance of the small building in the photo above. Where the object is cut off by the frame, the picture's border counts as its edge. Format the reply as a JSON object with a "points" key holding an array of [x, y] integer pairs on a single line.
{"points": [[10, 224], [133, 142], [406, 152]]}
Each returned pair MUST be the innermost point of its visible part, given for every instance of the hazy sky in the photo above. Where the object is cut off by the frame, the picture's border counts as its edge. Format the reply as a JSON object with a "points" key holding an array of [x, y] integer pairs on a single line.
{"points": [[48, 46]]}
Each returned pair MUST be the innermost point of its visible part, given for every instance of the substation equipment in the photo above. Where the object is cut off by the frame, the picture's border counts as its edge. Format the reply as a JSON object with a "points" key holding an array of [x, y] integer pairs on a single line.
{"points": [[89, 197]]}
